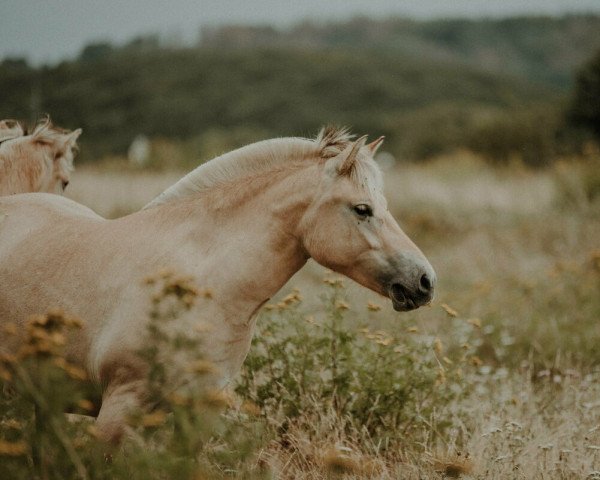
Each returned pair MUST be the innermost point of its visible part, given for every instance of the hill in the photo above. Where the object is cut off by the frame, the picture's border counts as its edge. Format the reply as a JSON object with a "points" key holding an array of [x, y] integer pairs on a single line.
{"points": [[541, 49], [428, 86]]}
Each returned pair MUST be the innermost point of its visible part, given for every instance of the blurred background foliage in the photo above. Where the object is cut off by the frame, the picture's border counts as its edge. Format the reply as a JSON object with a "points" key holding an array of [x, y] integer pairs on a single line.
{"points": [[504, 88]]}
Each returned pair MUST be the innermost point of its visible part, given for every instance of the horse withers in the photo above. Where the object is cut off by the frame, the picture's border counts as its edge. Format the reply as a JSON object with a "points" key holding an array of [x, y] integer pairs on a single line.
{"points": [[241, 225]]}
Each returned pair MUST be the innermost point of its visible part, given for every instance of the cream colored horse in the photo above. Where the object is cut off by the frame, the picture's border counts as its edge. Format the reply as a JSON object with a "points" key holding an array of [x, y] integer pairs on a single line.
{"points": [[241, 224], [40, 162]]}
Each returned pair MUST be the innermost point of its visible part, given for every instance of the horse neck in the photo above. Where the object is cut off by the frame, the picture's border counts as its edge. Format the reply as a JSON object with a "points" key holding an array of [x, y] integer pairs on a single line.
{"points": [[254, 236]]}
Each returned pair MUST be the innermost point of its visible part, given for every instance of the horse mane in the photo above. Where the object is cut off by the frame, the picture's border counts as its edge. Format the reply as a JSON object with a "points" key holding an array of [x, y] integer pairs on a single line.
{"points": [[257, 158], [44, 132]]}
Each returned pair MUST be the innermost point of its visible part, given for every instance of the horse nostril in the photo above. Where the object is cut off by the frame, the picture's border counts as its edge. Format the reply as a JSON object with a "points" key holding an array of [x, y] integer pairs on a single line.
{"points": [[425, 283]]}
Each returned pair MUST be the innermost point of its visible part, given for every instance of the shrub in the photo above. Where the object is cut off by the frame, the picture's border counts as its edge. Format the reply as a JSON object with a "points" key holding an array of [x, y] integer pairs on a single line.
{"points": [[528, 136], [303, 366]]}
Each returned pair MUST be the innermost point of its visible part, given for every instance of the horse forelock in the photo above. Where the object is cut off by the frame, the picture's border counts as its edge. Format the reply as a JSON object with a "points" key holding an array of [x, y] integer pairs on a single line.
{"points": [[46, 132], [333, 140]]}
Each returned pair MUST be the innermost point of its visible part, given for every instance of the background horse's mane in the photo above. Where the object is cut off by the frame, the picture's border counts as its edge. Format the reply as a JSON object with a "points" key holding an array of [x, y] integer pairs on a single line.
{"points": [[44, 132], [254, 159], [47, 133]]}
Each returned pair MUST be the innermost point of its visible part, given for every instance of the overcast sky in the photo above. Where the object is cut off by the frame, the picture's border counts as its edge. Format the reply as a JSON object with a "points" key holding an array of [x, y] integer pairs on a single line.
{"points": [[45, 31]]}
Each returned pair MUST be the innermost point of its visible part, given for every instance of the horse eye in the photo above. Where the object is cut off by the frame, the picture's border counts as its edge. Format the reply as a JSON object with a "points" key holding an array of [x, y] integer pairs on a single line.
{"points": [[363, 210]]}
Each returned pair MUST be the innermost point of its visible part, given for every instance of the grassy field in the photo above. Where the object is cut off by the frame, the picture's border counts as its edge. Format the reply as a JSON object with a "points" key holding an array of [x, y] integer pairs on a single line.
{"points": [[497, 379]]}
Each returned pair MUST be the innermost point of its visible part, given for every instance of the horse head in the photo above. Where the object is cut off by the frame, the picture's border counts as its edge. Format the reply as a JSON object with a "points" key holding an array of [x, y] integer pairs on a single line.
{"points": [[61, 147], [349, 229]]}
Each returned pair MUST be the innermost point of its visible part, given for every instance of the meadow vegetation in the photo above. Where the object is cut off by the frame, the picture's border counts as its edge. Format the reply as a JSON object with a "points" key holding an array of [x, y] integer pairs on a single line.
{"points": [[497, 379]]}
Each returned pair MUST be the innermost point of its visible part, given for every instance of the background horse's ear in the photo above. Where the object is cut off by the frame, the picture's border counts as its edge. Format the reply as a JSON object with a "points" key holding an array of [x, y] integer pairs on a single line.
{"points": [[348, 156], [375, 144], [71, 138], [67, 142]]}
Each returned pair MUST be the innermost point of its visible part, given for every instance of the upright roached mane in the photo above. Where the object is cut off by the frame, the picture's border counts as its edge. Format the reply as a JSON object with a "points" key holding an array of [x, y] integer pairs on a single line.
{"points": [[40, 161], [255, 159], [241, 225]]}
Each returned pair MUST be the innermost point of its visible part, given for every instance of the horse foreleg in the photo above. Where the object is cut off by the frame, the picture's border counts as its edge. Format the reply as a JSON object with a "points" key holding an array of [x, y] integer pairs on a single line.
{"points": [[125, 380], [118, 403]]}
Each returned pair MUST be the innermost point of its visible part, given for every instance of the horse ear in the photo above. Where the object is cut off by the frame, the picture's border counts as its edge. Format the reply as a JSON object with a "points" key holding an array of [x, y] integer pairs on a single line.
{"points": [[67, 142], [348, 156], [375, 144], [74, 135]]}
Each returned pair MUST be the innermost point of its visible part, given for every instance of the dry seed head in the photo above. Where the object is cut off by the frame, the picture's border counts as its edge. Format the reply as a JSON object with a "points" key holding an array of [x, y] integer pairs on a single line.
{"points": [[334, 282], [338, 462], [217, 399], [449, 310], [12, 423], [437, 346], [73, 371], [154, 419], [5, 374], [13, 449], [441, 376], [475, 361], [341, 305], [202, 367], [373, 307], [250, 408], [292, 298], [454, 466], [165, 273], [86, 405], [44, 334], [476, 322]]}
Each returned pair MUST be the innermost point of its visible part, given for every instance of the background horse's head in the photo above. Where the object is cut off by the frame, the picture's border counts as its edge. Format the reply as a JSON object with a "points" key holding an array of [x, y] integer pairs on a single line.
{"points": [[349, 228], [39, 162]]}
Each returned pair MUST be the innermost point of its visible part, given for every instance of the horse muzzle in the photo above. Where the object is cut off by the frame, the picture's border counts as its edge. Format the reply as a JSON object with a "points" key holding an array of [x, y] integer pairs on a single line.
{"points": [[405, 298]]}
